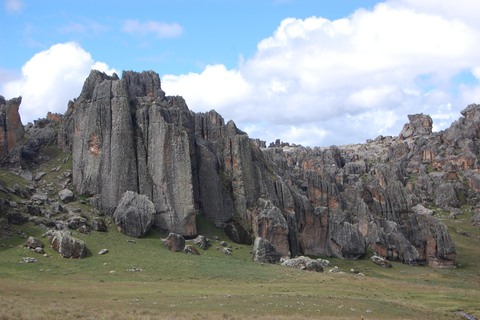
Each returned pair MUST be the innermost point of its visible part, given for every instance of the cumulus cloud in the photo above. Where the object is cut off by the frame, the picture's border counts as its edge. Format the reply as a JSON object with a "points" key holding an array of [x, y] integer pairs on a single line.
{"points": [[14, 6], [50, 79], [162, 30], [334, 82]]}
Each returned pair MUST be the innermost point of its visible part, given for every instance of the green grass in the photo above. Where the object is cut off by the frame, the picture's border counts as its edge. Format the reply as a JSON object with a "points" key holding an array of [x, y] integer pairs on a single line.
{"points": [[214, 285]]}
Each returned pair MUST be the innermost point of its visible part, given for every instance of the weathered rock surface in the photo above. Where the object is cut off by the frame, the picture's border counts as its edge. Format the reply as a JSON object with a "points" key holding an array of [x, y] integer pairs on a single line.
{"points": [[191, 250], [66, 195], [34, 243], [304, 263], [134, 214], [202, 242], [68, 246], [265, 252], [11, 132], [175, 242]]}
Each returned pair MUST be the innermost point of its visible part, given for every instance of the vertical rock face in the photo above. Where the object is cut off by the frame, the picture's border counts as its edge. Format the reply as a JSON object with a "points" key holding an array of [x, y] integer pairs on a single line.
{"points": [[11, 130], [129, 137]]}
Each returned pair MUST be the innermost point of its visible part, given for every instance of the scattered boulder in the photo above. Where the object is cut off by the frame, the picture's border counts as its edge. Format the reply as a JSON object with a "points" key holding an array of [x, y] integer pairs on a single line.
{"points": [[454, 213], [98, 225], [76, 222], [175, 242], [265, 252], [85, 229], [28, 260], [68, 246], [304, 263], [16, 218], [34, 243], [382, 262], [39, 250], [66, 195], [227, 251], [191, 250], [476, 217], [202, 242], [419, 209], [134, 214], [40, 175], [103, 251]]}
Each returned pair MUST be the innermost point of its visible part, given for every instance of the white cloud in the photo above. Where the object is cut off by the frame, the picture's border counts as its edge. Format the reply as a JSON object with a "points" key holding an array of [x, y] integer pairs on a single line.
{"points": [[162, 30], [50, 79], [14, 6], [350, 79]]}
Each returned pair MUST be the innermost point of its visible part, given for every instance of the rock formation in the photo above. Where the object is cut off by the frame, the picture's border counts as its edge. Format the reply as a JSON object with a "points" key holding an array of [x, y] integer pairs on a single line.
{"points": [[11, 131], [128, 138]]}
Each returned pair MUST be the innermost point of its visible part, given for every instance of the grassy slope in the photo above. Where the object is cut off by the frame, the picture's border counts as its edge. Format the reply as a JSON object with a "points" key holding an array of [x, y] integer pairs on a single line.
{"points": [[214, 285]]}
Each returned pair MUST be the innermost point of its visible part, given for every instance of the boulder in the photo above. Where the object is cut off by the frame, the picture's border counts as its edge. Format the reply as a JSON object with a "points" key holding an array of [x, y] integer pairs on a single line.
{"points": [[134, 214], [419, 209], [304, 263], [476, 217], [454, 213], [202, 242], [265, 252], [16, 217], [34, 243], [76, 222], [103, 251], [175, 242], [382, 262], [238, 233], [98, 225], [191, 250], [446, 196], [66, 195], [68, 246]]}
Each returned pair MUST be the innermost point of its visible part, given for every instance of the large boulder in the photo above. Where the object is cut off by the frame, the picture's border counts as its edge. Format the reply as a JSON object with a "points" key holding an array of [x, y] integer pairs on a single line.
{"points": [[66, 195], [34, 243], [175, 242], [68, 246], [265, 252], [76, 222], [134, 214], [202, 242], [304, 263]]}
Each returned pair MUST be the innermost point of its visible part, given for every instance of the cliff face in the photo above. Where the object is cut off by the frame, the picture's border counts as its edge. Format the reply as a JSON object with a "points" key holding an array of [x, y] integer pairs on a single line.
{"points": [[11, 131], [129, 136]]}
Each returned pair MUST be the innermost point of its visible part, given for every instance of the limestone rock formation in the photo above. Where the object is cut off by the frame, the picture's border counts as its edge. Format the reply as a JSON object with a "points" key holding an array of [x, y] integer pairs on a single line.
{"points": [[134, 214]]}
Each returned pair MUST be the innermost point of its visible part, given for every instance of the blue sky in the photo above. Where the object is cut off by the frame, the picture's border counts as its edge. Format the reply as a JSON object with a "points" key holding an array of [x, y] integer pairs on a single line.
{"points": [[311, 72]]}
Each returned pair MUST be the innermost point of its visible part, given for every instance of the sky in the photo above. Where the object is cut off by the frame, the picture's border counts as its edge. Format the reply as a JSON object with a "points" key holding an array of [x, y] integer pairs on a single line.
{"points": [[315, 73]]}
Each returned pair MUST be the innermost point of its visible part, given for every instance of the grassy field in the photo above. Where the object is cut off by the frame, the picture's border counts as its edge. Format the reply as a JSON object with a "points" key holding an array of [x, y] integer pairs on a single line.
{"points": [[216, 286]]}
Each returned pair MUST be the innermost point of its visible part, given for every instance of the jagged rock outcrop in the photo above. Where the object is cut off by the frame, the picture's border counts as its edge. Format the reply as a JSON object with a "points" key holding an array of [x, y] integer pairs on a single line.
{"points": [[134, 214], [420, 124], [11, 132]]}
